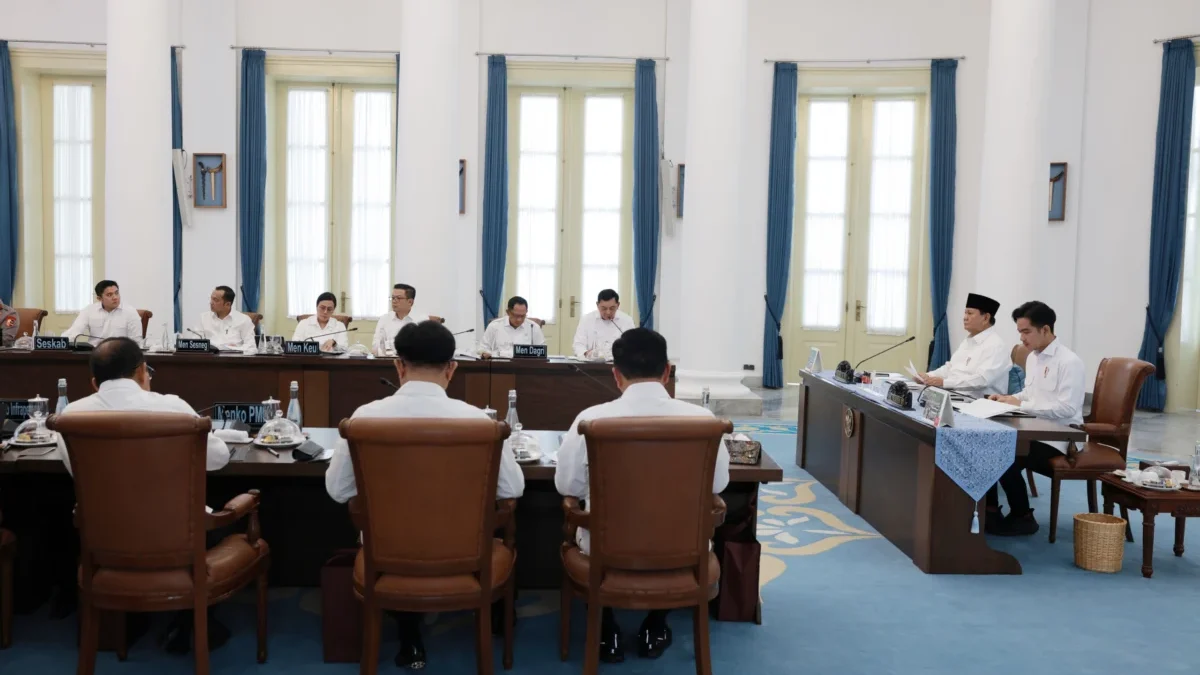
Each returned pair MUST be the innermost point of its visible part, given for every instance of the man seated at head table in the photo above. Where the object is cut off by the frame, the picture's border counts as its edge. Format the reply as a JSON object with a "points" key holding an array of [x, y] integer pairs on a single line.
{"points": [[598, 330], [425, 364], [981, 363], [106, 317], [121, 378], [322, 323], [641, 370], [513, 329], [1054, 383], [223, 325], [401, 315], [10, 323]]}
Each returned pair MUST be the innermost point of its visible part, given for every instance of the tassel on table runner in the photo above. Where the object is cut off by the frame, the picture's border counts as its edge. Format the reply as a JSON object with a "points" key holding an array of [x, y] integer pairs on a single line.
{"points": [[975, 521]]}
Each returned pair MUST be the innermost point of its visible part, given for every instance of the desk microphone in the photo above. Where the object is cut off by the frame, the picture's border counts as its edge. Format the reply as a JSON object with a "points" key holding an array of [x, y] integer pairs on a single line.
{"points": [[212, 349], [609, 387], [336, 332], [388, 383], [910, 339], [77, 346], [463, 332]]}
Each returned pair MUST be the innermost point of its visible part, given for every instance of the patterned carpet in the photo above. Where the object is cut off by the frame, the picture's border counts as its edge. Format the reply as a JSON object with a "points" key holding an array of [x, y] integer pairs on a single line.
{"points": [[837, 599]]}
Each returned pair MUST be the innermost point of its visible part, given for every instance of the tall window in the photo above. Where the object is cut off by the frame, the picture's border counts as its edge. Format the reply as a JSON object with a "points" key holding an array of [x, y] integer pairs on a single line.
{"points": [[825, 214], [71, 166], [602, 164], [307, 198], [891, 210], [1188, 317], [537, 204], [371, 194]]}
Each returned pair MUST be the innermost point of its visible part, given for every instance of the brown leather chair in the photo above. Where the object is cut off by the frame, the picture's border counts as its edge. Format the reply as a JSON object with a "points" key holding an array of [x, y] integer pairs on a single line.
{"points": [[1114, 395], [344, 318], [1019, 355], [140, 486], [146, 315], [428, 544], [433, 317], [8, 550], [27, 315], [652, 516], [255, 317]]}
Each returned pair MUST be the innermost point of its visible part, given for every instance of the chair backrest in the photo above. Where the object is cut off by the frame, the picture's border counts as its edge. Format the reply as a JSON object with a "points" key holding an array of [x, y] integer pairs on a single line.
{"points": [[1019, 355], [344, 318], [1118, 380], [650, 494], [426, 493], [146, 315], [139, 487], [254, 317], [27, 315]]}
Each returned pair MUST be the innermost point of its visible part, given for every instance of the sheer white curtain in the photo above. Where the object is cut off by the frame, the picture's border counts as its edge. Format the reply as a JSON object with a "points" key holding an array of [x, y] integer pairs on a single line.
{"points": [[604, 118], [307, 198], [371, 211], [537, 205], [73, 277], [1189, 321], [891, 210], [825, 214]]}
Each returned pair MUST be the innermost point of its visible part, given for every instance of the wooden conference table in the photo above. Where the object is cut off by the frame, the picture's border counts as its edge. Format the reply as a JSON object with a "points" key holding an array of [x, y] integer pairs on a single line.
{"points": [[549, 393], [880, 464]]}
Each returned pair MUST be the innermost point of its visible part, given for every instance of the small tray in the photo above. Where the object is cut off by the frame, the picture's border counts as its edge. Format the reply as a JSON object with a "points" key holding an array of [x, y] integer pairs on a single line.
{"points": [[531, 457], [278, 446]]}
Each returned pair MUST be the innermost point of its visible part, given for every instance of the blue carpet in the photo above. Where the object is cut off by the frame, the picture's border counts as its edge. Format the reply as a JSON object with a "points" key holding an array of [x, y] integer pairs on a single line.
{"points": [[837, 599]]}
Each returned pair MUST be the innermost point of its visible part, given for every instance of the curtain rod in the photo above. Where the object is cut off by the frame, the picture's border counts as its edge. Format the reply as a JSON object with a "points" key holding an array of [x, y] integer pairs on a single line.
{"points": [[574, 57], [1177, 37], [72, 42], [331, 52], [915, 58]]}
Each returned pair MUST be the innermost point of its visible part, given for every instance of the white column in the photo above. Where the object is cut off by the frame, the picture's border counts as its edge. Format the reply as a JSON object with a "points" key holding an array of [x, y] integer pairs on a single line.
{"points": [[137, 177], [1016, 163], [713, 215], [427, 163]]}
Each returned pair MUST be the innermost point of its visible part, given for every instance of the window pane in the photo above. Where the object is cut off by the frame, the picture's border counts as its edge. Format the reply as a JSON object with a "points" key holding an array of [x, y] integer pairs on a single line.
{"points": [[371, 209], [537, 205], [603, 163], [538, 180], [539, 123], [823, 305], [72, 169], [1191, 313], [828, 128], [891, 198], [307, 198], [602, 238], [603, 124]]}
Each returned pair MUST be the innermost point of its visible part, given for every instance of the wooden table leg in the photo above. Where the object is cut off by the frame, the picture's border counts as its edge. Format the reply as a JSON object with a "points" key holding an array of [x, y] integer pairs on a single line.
{"points": [[1148, 542], [1180, 522], [1128, 525], [1108, 506]]}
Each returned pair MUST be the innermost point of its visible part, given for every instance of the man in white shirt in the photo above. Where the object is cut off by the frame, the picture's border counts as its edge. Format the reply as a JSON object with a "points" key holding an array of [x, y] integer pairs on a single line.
{"points": [[107, 317], [641, 369], [121, 378], [1054, 383], [323, 323], [513, 329], [223, 325], [401, 315], [981, 363], [425, 364], [598, 330]]}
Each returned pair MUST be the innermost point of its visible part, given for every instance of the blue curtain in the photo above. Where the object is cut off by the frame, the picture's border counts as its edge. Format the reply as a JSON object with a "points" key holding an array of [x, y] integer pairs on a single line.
{"points": [[1168, 210], [495, 188], [177, 144], [943, 148], [646, 203], [781, 196], [10, 221], [252, 176]]}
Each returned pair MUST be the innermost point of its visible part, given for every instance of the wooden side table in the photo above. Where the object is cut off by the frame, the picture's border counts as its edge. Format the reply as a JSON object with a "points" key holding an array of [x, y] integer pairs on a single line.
{"points": [[1180, 504]]}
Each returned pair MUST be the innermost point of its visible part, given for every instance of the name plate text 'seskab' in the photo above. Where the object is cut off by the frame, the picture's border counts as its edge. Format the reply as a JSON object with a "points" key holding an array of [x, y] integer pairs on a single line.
{"points": [[51, 344]]}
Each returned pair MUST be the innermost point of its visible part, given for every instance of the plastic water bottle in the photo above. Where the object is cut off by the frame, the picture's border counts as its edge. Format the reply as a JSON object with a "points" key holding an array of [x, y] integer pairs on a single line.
{"points": [[293, 411], [706, 399], [61, 405], [166, 338], [35, 329], [511, 417]]}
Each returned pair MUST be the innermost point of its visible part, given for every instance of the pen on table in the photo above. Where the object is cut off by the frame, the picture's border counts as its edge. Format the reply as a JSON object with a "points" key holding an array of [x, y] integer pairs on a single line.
{"points": [[273, 451]]}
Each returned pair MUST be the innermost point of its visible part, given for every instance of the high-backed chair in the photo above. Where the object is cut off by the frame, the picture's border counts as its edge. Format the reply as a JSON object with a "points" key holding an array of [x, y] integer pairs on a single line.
{"points": [[652, 516], [426, 507], [140, 488], [27, 315], [145, 315], [1016, 382], [344, 318], [8, 550], [1114, 396], [254, 317]]}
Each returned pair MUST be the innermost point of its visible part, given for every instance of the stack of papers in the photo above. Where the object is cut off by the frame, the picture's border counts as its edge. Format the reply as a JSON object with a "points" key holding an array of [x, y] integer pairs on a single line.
{"points": [[984, 408]]}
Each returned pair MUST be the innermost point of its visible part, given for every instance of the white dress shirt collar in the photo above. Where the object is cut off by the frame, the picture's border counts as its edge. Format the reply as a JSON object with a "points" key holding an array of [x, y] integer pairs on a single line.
{"points": [[420, 388], [645, 390], [124, 384], [982, 335], [1050, 349]]}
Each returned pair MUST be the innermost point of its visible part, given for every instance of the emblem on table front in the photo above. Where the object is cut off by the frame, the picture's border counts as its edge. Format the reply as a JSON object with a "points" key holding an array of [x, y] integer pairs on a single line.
{"points": [[848, 423]]}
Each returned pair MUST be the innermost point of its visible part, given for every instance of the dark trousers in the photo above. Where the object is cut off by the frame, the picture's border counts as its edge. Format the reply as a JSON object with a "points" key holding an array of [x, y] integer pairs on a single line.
{"points": [[1013, 480]]}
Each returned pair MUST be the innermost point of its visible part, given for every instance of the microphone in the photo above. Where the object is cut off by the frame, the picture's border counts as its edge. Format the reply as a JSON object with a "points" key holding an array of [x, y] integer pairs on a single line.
{"points": [[76, 346], [464, 332], [197, 333], [212, 349], [388, 383], [910, 339], [336, 332], [608, 387]]}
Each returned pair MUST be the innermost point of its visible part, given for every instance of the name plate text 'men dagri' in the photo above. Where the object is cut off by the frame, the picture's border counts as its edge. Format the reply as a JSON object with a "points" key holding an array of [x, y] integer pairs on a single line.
{"points": [[530, 351]]}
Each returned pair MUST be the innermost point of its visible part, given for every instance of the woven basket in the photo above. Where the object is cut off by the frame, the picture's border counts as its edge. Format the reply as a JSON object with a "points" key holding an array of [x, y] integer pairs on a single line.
{"points": [[1099, 542]]}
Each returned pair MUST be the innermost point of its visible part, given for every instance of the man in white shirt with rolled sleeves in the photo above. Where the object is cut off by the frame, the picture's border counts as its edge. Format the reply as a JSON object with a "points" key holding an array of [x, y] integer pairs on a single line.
{"points": [[598, 330], [323, 323], [223, 325], [515, 328], [389, 324], [106, 317], [1054, 389], [641, 370], [981, 363], [425, 364]]}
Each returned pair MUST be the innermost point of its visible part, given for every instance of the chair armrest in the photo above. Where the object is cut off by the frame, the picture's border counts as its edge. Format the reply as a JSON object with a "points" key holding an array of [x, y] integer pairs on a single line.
{"points": [[234, 510], [718, 511], [573, 518], [506, 520], [1100, 428], [356, 515]]}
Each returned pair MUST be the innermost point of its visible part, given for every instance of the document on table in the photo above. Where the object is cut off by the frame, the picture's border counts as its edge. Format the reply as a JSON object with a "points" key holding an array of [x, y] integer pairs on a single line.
{"points": [[984, 408], [912, 372]]}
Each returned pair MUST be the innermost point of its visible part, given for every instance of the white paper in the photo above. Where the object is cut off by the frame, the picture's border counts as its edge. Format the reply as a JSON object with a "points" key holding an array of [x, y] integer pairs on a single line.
{"points": [[984, 408], [912, 371]]}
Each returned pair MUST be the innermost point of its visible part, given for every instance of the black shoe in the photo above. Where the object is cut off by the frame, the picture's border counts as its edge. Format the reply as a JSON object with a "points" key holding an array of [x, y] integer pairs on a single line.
{"points": [[1017, 526], [411, 654], [612, 647], [178, 638], [992, 522], [653, 639]]}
